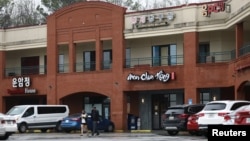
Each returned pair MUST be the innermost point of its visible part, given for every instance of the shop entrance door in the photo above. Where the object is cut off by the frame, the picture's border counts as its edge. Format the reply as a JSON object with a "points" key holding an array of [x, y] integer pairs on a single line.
{"points": [[160, 104]]}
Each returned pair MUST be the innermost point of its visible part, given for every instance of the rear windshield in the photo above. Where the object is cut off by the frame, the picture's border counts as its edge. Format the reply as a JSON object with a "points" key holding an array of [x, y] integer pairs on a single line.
{"points": [[215, 106], [175, 111]]}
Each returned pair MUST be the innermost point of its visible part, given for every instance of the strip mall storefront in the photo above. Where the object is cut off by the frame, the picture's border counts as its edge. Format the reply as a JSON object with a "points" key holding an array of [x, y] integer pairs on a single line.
{"points": [[128, 63]]}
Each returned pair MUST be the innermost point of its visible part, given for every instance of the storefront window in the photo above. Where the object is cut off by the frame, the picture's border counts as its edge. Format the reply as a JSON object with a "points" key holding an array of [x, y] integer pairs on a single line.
{"points": [[173, 99]]}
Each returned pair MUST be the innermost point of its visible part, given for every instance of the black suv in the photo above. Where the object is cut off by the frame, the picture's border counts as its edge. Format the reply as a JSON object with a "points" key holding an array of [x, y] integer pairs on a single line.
{"points": [[176, 117]]}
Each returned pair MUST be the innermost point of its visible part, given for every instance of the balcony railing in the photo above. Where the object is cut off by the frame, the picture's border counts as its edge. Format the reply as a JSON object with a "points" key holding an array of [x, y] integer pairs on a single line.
{"points": [[211, 57], [28, 70], [155, 61], [90, 66], [244, 50], [216, 57]]}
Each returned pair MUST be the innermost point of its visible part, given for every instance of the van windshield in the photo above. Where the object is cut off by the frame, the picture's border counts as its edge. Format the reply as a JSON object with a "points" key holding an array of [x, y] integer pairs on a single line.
{"points": [[15, 111]]}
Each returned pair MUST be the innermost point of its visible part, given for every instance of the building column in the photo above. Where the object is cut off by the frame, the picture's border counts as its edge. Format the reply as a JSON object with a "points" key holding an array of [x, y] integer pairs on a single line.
{"points": [[2, 65], [119, 109], [72, 54], [191, 49], [52, 63], [239, 38], [2, 76], [98, 51]]}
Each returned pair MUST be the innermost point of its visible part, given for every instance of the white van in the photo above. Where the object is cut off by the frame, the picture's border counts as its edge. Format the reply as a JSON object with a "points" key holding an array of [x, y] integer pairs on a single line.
{"points": [[41, 117]]}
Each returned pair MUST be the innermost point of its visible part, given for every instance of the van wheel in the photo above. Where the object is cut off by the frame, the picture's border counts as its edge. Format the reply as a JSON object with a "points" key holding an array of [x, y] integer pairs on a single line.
{"points": [[58, 127], [172, 133], [22, 128], [44, 130]]}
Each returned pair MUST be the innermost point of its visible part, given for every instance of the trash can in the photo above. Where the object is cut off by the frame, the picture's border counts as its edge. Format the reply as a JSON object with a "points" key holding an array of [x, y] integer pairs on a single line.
{"points": [[132, 122]]}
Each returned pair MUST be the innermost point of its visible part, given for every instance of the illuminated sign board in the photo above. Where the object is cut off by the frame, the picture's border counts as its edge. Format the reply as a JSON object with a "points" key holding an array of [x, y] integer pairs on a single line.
{"points": [[213, 8], [161, 76], [21, 86]]}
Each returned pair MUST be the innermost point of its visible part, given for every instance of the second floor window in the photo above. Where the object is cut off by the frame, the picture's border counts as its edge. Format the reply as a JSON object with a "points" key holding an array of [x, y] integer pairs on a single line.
{"points": [[30, 65], [89, 60], [61, 63], [164, 55]]}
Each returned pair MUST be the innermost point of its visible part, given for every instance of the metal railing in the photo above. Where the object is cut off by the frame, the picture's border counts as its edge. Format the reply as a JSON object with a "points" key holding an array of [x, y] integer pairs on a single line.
{"points": [[28, 70], [244, 50], [216, 57], [211, 57], [155, 61]]}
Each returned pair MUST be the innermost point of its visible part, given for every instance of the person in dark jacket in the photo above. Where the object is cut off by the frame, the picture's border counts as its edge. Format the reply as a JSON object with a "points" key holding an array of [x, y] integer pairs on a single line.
{"points": [[95, 120]]}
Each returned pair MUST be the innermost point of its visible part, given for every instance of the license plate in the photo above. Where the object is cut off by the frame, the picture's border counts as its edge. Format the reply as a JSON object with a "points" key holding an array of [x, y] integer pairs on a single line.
{"points": [[171, 117], [210, 115], [248, 120]]}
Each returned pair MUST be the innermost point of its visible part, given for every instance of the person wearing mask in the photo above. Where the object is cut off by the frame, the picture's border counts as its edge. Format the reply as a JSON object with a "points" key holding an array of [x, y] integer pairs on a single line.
{"points": [[95, 120], [83, 122]]}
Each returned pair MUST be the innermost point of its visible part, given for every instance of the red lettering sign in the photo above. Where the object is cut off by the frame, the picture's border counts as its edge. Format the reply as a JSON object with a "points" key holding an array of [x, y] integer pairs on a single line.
{"points": [[217, 7], [15, 91]]}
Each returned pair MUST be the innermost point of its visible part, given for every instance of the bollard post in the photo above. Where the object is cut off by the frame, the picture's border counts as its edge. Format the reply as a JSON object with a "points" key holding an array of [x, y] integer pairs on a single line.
{"points": [[138, 124]]}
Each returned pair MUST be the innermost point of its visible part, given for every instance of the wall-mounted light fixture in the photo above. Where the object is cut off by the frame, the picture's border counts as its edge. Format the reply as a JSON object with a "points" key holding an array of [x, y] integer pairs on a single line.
{"points": [[142, 100], [214, 98]]}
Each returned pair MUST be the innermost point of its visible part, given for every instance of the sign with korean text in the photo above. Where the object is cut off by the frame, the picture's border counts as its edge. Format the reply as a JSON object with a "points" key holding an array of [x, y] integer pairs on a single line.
{"points": [[21, 86], [152, 20]]}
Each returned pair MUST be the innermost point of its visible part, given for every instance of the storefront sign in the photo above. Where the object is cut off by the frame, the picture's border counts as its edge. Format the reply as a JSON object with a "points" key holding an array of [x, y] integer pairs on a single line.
{"points": [[20, 85], [216, 7], [161, 76], [22, 91], [153, 20]]}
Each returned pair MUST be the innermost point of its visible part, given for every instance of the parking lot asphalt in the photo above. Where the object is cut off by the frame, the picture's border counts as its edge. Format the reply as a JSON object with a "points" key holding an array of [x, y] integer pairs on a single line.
{"points": [[146, 135]]}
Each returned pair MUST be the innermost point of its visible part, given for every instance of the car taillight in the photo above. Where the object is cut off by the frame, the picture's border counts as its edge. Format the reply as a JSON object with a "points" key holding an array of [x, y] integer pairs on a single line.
{"points": [[183, 116], [163, 116], [201, 114], [227, 117], [193, 118], [222, 114], [240, 116], [2, 121]]}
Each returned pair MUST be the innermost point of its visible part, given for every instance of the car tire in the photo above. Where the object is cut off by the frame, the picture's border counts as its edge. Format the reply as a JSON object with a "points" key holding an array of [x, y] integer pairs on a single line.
{"points": [[67, 131], [192, 132], [44, 130], [173, 133], [58, 127], [22, 128], [198, 133], [205, 134], [5, 137], [110, 128]]}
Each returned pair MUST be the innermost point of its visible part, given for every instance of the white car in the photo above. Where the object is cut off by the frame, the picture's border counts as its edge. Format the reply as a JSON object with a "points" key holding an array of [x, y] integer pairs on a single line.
{"points": [[213, 113], [8, 126], [229, 118]]}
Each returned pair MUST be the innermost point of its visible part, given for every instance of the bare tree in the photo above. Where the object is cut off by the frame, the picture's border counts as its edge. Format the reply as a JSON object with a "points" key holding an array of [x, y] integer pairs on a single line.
{"points": [[24, 13], [5, 19]]}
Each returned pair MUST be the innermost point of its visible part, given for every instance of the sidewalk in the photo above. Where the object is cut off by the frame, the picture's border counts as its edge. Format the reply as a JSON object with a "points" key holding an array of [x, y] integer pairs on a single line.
{"points": [[159, 132]]}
